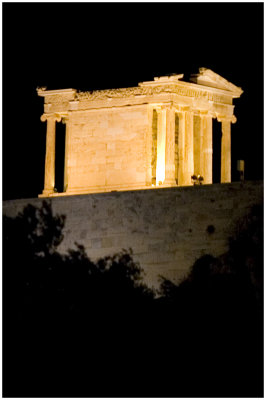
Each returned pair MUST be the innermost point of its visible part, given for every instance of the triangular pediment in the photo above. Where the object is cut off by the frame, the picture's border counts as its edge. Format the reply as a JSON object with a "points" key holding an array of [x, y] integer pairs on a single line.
{"points": [[206, 77]]}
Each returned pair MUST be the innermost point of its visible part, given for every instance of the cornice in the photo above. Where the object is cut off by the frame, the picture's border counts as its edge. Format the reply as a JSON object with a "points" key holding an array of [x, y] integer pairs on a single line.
{"points": [[177, 88], [43, 92]]}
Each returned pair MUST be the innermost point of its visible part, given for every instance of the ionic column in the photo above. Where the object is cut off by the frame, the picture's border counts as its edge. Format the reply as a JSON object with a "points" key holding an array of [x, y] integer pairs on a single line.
{"points": [[49, 174], [149, 134], [226, 150], [161, 136], [207, 149], [170, 147], [197, 144], [181, 145], [65, 120], [189, 156], [186, 148]]}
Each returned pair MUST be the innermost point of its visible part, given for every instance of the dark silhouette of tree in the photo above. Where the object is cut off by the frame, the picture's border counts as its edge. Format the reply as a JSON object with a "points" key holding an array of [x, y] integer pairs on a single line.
{"points": [[59, 308]]}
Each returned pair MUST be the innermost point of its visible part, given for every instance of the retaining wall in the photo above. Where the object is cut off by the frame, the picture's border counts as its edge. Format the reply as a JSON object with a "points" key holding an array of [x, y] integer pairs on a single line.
{"points": [[167, 229]]}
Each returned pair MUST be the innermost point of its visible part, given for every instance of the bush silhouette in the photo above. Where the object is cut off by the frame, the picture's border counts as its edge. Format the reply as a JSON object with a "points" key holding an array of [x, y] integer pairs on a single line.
{"points": [[87, 305]]}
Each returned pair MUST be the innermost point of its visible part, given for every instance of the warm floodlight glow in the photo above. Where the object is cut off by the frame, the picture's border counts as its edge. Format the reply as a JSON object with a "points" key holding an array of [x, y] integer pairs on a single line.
{"points": [[160, 174]]}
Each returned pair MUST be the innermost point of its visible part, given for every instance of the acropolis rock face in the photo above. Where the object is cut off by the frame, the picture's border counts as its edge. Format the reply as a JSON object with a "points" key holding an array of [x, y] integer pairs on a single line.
{"points": [[158, 134]]}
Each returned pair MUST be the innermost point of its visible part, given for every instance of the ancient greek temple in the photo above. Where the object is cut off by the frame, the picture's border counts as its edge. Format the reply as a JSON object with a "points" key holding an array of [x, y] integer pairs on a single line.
{"points": [[158, 134]]}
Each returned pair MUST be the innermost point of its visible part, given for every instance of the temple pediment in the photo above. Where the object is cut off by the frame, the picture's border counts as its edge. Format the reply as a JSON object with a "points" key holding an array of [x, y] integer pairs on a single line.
{"points": [[206, 77]]}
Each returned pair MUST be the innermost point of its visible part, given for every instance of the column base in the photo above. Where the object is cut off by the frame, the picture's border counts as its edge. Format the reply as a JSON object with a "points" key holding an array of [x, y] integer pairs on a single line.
{"points": [[170, 182], [224, 180], [185, 184], [46, 193]]}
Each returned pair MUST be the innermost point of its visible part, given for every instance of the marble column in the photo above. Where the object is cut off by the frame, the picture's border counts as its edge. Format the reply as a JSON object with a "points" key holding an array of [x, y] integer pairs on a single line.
{"points": [[181, 144], [226, 151], [66, 121], [161, 136], [188, 149], [207, 149], [197, 144], [148, 141], [49, 174], [170, 147], [185, 148]]}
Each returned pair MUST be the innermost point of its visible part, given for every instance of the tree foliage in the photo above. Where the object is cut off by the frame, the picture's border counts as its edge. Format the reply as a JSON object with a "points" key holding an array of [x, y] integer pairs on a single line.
{"points": [[39, 273]]}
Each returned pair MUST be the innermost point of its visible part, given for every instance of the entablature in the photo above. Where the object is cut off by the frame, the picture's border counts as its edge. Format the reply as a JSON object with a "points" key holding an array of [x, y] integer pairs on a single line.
{"points": [[162, 89], [85, 104], [177, 88], [179, 103]]}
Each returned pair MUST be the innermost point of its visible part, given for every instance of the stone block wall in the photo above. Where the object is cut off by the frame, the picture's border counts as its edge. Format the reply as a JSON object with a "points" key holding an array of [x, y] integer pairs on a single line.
{"points": [[107, 148], [166, 228]]}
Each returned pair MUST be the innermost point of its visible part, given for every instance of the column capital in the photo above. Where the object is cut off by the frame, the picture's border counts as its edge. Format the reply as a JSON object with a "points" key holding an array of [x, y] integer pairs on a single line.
{"points": [[157, 107], [65, 119], [56, 117], [180, 109], [167, 106], [226, 118], [212, 114], [163, 106], [202, 113]]}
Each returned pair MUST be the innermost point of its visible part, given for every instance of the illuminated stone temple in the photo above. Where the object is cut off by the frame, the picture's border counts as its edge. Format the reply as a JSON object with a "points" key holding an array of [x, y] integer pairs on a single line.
{"points": [[155, 136], [158, 134]]}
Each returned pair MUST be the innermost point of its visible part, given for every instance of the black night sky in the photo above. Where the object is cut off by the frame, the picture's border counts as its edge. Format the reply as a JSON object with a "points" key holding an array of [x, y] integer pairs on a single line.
{"points": [[89, 46]]}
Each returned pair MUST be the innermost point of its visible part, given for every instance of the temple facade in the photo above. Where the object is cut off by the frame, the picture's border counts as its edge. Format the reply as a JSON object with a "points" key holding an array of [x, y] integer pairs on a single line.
{"points": [[158, 134]]}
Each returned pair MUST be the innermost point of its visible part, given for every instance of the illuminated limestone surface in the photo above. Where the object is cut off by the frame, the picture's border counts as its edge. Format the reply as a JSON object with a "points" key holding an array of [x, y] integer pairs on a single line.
{"points": [[157, 134]]}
